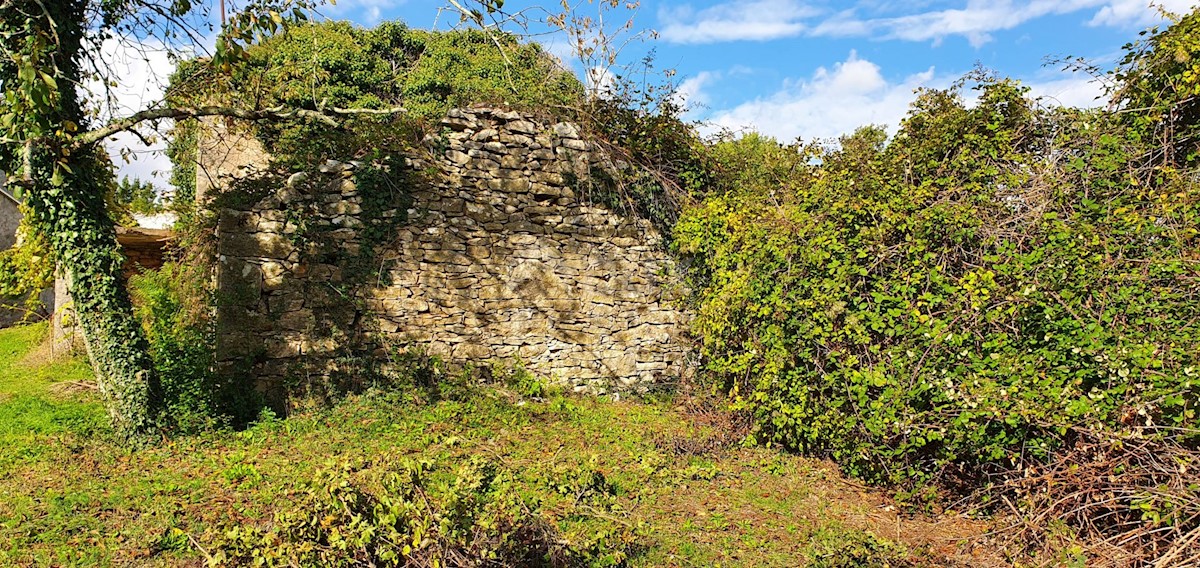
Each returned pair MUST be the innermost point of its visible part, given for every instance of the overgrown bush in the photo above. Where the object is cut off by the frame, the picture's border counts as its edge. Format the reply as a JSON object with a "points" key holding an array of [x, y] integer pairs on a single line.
{"points": [[171, 303], [415, 514], [956, 301], [952, 308], [25, 270], [659, 163], [336, 65]]}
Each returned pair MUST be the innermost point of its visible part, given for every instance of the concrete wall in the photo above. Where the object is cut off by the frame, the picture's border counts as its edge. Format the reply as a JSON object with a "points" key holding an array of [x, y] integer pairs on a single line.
{"points": [[493, 253]]}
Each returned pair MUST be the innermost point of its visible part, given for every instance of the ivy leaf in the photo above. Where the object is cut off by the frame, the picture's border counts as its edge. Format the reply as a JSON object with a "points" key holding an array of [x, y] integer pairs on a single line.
{"points": [[49, 81]]}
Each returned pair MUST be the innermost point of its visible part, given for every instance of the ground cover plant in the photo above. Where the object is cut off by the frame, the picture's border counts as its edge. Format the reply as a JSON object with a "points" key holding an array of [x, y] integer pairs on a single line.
{"points": [[565, 481]]}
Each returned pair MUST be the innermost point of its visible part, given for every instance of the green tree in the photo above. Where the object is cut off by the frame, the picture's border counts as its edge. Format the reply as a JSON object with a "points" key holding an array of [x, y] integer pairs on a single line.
{"points": [[135, 196], [48, 142]]}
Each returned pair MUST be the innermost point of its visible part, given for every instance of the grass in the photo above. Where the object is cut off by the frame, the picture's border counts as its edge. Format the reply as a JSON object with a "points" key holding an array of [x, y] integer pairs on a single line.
{"points": [[69, 496], [38, 398]]}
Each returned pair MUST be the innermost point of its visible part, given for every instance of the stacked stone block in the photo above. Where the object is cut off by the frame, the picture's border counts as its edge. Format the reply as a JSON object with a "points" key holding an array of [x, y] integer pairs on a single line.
{"points": [[501, 255]]}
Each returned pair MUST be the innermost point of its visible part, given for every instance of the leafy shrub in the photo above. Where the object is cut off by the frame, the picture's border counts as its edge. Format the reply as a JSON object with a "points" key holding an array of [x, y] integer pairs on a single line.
{"points": [[413, 514], [414, 372], [514, 375], [837, 547], [170, 304], [952, 303], [334, 65]]}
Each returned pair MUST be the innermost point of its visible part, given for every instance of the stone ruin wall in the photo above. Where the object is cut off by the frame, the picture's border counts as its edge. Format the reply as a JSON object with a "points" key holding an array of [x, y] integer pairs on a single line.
{"points": [[498, 256]]}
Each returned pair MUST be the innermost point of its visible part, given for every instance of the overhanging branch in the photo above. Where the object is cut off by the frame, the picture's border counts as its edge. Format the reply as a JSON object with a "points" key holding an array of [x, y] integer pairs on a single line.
{"points": [[274, 113]]}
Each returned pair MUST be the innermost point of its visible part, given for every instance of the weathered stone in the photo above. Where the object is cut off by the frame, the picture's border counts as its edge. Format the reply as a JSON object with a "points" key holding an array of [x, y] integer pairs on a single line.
{"points": [[236, 221], [460, 283], [551, 179], [573, 144], [296, 320], [496, 258], [471, 352], [507, 114], [511, 162], [254, 245], [522, 127], [457, 124], [516, 140], [566, 130], [273, 275]]}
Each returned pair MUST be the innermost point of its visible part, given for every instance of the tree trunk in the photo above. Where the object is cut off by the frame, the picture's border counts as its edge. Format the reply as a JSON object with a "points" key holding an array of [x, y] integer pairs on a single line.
{"points": [[64, 190], [73, 214]]}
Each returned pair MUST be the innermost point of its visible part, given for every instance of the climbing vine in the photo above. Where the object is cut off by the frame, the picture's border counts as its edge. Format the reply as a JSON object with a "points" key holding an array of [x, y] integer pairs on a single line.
{"points": [[338, 65], [49, 144]]}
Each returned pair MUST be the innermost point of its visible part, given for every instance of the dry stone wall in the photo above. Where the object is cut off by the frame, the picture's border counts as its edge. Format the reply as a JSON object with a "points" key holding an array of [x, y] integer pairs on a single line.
{"points": [[493, 252]]}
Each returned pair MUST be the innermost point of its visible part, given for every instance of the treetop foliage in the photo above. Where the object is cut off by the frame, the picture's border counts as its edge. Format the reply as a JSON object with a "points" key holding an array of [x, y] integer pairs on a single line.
{"points": [[338, 65], [1155, 87]]}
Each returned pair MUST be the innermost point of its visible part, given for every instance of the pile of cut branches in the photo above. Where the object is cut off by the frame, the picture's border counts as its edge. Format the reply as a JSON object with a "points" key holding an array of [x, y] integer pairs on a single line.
{"points": [[1131, 500]]}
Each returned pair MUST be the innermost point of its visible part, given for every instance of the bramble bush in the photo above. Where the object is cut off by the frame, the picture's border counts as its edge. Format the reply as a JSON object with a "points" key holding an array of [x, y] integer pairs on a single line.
{"points": [[955, 302], [1001, 300]]}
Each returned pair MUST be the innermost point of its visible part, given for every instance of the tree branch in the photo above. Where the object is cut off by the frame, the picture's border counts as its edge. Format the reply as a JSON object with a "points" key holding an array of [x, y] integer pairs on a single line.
{"points": [[274, 113]]}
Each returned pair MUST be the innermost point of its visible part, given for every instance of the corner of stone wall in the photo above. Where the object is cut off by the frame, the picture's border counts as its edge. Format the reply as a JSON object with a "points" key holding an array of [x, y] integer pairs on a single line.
{"points": [[495, 255]]}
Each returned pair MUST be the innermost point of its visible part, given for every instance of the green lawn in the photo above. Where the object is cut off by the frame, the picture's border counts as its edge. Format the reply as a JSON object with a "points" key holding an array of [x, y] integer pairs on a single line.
{"points": [[69, 496], [40, 398]]}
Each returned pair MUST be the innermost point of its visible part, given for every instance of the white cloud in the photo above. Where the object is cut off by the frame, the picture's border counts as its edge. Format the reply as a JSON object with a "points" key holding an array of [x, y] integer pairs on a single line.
{"points": [[1138, 13], [855, 93], [690, 93], [1074, 91], [369, 12], [737, 20], [141, 71], [832, 102], [600, 82], [560, 47], [976, 21]]}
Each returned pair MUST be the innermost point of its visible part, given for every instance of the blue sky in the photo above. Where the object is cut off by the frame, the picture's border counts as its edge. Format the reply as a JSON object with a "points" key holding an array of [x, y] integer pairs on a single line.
{"points": [[819, 68]]}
